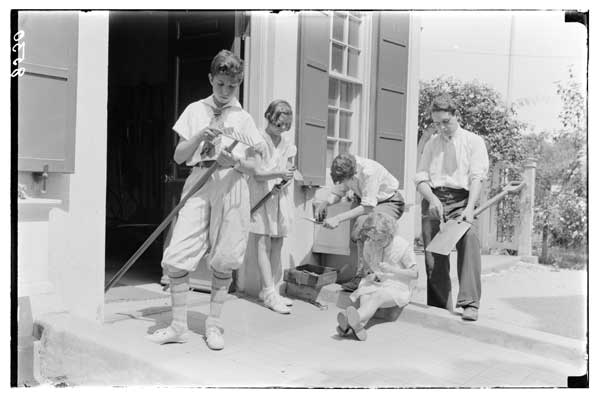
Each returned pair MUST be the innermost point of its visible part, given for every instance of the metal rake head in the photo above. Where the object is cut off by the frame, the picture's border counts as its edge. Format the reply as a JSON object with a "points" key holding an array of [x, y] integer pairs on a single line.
{"points": [[238, 136]]}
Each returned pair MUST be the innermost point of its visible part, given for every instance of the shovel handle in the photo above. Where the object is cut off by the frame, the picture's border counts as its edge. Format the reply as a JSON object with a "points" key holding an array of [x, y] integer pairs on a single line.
{"points": [[163, 225], [511, 187]]}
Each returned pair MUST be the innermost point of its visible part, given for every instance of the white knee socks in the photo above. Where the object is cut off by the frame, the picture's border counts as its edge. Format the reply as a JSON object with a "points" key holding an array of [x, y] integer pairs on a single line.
{"points": [[179, 292], [219, 289]]}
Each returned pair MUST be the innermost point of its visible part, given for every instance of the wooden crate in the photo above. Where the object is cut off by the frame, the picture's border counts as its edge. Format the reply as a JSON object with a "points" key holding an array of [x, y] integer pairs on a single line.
{"points": [[306, 281], [303, 292], [311, 275]]}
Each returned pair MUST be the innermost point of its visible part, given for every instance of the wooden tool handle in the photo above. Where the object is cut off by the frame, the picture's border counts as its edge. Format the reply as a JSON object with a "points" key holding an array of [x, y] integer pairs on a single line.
{"points": [[280, 185], [163, 225], [509, 188]]}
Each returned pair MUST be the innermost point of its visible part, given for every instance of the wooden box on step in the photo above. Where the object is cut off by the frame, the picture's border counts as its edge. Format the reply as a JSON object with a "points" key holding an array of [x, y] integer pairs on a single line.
{"points": [[306, 281]]}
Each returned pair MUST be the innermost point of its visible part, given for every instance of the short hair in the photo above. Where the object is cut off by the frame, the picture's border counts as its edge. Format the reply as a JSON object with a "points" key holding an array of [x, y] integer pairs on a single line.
{"points": [[379, 222], [343, 167], [444, 103], [276, 109], [227, 63]]}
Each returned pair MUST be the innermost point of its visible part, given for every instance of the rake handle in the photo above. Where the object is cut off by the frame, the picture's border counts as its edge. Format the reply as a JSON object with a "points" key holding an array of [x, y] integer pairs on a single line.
{"points": [[163, 225]]}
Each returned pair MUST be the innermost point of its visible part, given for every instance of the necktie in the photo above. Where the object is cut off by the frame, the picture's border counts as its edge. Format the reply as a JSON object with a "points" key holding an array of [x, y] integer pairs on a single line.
{"points": [[450, 164], [208, 149]]}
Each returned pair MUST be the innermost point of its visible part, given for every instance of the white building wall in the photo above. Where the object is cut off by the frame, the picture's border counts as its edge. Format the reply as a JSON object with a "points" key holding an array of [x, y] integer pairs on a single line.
{"points": [[61, 233], [272, 56], [410, 223]]}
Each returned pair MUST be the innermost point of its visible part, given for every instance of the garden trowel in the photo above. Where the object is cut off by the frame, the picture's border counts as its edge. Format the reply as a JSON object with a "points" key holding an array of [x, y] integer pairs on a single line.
{"points": [[452, 231]]}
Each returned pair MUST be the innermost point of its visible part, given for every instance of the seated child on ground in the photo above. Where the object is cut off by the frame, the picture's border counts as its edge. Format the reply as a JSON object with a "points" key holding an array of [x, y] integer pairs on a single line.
{"points": [[392, 262]]}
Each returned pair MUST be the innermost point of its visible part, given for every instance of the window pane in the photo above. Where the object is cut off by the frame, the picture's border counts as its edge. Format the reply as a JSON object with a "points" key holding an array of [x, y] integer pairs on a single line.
{"points": [[333, 92], [337, 58], [352, 63], [357, 14], [345, 147], [353, 28], [338, 27], [330, 152], [331, 122], [345, 125], [346, 95]]}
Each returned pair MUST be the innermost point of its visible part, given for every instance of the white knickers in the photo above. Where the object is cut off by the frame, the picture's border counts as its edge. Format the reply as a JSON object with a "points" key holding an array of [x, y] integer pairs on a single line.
{"points": [[215, 219]]}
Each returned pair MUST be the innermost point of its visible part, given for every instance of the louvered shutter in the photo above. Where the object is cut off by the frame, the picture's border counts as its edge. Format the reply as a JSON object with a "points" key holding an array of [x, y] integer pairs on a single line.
{"points": [[47, 92], [392, 72], [313, 85]]}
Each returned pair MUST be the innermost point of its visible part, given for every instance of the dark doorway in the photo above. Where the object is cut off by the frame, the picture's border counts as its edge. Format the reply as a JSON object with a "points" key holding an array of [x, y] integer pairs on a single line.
{"points": [[158, 64]]}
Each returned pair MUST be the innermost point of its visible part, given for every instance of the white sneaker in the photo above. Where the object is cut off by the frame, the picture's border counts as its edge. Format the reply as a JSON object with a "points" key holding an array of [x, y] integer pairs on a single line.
{"points": [[286, 301], [168, 335], [274, 302], [355, 324], [214, 337]]}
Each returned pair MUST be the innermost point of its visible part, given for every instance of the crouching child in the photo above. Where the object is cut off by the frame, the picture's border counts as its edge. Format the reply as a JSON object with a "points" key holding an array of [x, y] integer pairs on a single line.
{"points": [[393, 272]]}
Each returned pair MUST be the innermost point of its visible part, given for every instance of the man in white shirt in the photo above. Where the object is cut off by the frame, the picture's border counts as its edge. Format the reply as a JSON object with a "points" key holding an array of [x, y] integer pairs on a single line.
{"points": [[449, 177], [376, 190]]}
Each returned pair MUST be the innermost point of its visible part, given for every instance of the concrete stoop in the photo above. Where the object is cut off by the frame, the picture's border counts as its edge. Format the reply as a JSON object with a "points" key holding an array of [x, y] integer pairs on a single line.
{"points": [[488, 331], [81, 352]]}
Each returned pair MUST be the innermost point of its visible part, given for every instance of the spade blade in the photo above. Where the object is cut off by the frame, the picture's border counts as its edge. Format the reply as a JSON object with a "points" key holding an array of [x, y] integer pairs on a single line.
{"points": [[443, 242]]}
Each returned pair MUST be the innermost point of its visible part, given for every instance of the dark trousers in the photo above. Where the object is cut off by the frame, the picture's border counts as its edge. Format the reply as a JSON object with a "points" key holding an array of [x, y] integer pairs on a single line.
{"points": [[439, 287]]}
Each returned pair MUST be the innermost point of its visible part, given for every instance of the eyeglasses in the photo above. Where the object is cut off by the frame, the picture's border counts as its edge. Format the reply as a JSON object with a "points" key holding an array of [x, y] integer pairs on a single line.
{"points": [[444, 123]]}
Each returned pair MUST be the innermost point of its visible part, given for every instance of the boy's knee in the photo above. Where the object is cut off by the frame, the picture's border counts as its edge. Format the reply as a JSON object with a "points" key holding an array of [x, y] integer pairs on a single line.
{"points": [[177, 275], [221, 279]]}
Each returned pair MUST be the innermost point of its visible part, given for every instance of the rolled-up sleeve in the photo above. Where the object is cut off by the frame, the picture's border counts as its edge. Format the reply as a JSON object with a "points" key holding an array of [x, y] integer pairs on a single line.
{"points": [[183, 126], [369, 190], [422, 174], [480, 162]]}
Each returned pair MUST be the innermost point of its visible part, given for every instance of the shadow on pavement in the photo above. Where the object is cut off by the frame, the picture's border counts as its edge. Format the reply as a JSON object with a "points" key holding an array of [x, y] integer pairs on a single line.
{"points": [[559, 315]]}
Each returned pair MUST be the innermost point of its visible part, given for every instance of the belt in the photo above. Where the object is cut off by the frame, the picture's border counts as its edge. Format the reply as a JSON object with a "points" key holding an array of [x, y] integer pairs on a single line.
{"points": [[205, 164], [396, 194], [443, 189]]}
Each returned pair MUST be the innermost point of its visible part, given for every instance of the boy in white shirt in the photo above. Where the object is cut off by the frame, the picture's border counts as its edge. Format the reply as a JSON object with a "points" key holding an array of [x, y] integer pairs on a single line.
{"points": [[215, 220], [376, 189], [451, 170]]}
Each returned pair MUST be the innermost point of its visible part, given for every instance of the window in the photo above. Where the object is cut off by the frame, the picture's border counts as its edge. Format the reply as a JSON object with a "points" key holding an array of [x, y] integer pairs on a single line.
{"points": [[346, 83]]}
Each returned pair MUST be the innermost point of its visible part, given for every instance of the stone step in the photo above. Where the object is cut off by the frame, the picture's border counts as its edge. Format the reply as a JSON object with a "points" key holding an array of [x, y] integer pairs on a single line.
{"points": [[82, 352], [489, 331]]}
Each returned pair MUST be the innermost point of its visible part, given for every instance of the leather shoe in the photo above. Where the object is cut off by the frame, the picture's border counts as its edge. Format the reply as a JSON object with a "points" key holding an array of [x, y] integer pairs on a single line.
{"points": [[470, 313]]}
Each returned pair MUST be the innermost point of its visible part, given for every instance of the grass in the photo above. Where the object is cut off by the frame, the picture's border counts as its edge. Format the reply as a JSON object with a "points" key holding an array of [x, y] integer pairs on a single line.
{"points": [[564, 258]]}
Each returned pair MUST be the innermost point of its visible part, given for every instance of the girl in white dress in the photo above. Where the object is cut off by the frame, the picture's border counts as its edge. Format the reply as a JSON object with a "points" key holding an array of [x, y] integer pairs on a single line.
{"points": [[392, 263], [271, 222]]}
